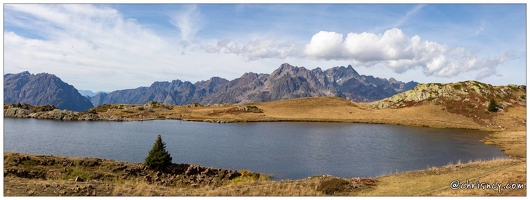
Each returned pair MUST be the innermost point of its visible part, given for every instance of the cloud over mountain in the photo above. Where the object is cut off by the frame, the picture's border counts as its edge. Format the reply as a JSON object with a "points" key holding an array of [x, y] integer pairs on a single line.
{"points": [[401, 53]]}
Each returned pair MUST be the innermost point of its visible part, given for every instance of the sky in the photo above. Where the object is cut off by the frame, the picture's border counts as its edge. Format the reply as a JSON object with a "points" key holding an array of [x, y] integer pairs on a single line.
{"points": [[107, 47]]}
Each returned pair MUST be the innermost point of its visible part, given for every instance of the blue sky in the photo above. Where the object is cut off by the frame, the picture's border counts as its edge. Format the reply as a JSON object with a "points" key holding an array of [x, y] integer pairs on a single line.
{"points": [[106, 47]]}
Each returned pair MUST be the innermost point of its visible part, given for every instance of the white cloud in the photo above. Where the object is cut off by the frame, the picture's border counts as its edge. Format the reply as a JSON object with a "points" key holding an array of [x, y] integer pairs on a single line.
{"points": [[480, 29], [409, 14], [187, 21], [400, 53], [255, 49], [96, 46], [325, 45]]}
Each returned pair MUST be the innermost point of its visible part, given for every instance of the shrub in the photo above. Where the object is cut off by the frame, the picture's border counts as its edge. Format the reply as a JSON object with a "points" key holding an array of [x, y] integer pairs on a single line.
{"points": [[158, 158], [492, 107], [332, 186]]}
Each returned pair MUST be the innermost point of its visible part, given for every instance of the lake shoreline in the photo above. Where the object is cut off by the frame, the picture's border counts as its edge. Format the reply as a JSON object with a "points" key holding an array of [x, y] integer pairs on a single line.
{"points": [[316, 109], [378, 121]]}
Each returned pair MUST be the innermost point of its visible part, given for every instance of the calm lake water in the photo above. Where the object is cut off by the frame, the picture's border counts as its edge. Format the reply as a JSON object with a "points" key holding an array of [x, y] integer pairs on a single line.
{"points": [[287, 150]]}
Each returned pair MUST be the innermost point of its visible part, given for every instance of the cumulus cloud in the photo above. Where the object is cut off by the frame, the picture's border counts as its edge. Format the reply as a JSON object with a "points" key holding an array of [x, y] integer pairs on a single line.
{"points": [[401, 53], [325, 45]]}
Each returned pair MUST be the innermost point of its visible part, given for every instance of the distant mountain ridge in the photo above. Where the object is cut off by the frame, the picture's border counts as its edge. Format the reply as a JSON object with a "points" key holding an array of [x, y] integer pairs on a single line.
{"points": [[286, 82], [43, 89], [89, 93]]}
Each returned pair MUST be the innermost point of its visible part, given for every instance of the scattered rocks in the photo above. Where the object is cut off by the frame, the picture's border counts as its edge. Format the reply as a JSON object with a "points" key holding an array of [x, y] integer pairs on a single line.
{"points": [[88, 163]]}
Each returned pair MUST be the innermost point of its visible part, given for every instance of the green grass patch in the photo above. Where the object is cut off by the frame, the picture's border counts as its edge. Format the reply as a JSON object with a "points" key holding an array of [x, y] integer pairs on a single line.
{"points": [[240, 180], [103, 108], [74, 172], [29, 163]]}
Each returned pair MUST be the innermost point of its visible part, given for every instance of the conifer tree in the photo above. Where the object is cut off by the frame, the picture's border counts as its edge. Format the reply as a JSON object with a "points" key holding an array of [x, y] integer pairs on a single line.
{"points": [[158, 157], [492, 107]]}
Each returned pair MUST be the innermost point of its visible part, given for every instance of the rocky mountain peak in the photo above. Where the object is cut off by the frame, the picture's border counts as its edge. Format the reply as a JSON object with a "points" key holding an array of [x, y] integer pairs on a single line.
{"points": [[41, 89]]}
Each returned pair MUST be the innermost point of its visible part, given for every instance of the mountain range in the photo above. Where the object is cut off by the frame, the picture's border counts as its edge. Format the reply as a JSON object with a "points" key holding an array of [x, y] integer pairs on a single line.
{"points": [[286, 82]]}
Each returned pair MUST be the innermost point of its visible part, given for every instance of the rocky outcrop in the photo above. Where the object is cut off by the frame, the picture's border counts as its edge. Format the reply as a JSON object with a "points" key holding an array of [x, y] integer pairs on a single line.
{"points": [[102, 113], [57, 114], [16, 113], [473, 92], [470, 99], [54, 114]]}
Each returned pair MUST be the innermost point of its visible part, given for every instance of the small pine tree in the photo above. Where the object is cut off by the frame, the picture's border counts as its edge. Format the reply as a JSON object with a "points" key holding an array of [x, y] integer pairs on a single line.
{"points": [[158, 157], [492, 107]]}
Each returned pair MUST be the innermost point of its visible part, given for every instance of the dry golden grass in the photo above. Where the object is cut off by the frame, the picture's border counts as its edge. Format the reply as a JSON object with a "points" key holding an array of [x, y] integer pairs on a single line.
{"points": [[514, 118], [512, 143], [329, 109], [435, 181], [334, 109]]}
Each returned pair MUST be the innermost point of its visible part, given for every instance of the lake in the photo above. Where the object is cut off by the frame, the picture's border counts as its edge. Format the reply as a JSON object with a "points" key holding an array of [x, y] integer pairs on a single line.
{"points": [[288, 150]]}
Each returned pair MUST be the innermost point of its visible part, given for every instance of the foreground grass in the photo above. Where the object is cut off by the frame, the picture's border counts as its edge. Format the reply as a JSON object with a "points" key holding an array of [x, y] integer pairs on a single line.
{"points": [[429, 182], [436, 181]]}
